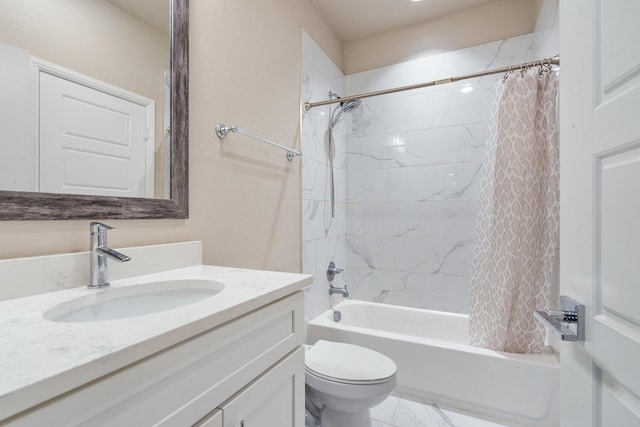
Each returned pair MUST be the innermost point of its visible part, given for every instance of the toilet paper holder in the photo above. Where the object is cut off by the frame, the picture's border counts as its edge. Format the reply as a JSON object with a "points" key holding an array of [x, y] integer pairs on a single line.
{"points": [[568, 322]]}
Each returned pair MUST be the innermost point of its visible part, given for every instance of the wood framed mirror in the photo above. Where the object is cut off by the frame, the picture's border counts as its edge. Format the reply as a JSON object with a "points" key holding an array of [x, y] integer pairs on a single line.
{"points": [[19, 205]]}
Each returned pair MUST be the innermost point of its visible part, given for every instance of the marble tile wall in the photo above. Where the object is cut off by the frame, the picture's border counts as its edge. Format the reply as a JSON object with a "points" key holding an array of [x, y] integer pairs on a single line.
{"points": [[407, 168], [414, 163], [323, 236], [547, 29]]}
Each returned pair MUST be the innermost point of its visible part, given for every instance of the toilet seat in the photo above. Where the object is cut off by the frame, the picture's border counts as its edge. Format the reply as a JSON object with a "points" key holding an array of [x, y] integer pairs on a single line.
{"points": [[348, 364]]}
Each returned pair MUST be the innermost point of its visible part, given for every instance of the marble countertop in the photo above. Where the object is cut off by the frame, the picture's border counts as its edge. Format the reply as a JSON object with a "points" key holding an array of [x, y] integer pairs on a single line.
{"points": [[40, 359]]}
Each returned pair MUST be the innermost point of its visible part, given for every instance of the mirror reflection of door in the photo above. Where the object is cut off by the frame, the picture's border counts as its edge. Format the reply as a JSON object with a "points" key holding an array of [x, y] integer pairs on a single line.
{"points": [[92, 142]]}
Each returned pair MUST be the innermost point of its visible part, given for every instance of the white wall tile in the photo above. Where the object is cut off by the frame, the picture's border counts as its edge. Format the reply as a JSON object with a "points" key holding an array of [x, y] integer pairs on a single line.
{"points": [[309, 257], [407, 169], [312, 219], [414, 164], [375, 253], [451, 218], [457, 290], [410, 290], [444, 145], [330, 249], [314, 179], [322, 233], [360, 283]]}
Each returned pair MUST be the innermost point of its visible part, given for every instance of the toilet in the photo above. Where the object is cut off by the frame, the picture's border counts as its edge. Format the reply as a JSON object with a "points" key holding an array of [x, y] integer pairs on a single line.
{"points": [[343, 381]]}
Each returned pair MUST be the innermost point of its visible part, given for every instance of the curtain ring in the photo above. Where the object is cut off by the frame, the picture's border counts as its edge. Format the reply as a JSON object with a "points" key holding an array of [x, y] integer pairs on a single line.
{"points": [[506, 75]]}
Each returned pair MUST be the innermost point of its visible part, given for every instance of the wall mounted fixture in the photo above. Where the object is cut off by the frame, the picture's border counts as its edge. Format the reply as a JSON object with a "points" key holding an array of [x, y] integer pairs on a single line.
{"points": [[332, 270], [222, 130], [568, 322]]}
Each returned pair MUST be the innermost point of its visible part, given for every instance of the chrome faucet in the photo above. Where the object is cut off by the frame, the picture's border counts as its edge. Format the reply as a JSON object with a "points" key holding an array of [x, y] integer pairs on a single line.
{"points": [[332, 270], [99, 254], [342, 291]]}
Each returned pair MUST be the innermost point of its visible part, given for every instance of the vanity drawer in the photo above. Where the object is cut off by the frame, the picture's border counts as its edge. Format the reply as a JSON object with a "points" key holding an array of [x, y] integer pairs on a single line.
{"points": [[182, 384]]}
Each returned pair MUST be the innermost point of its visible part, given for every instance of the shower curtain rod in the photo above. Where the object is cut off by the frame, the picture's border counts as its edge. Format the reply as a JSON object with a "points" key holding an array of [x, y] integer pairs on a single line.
{"points": [[526, 65]]}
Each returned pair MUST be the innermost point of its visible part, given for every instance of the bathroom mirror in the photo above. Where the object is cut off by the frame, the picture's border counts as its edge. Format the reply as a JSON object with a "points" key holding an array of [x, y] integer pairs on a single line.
{"points": [[169, 200]]}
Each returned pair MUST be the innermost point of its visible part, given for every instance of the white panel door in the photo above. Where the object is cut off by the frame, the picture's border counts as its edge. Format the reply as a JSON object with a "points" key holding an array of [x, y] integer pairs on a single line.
{"points": [[600, 209], [90, 142]]}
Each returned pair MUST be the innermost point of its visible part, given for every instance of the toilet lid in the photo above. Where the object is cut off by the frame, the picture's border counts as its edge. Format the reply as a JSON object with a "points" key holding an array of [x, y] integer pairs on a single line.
{"points": [[348, 363]]}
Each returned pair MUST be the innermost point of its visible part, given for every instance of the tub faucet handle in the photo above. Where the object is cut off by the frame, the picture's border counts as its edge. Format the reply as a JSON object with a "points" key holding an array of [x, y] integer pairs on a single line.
{"points": [[332, 270]]}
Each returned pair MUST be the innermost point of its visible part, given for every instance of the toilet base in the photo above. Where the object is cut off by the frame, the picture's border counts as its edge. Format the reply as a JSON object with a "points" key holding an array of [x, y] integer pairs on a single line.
{"points": [[332, 418], [311, 420]]}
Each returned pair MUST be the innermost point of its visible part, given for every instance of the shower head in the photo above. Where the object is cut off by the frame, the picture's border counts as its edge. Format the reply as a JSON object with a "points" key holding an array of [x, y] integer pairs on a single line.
{"points": [[344, 107], [349, 106]]}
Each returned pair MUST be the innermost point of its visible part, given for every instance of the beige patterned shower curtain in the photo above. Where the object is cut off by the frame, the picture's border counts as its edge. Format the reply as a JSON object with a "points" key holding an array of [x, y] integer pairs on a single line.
{"points": [[517, 226]]}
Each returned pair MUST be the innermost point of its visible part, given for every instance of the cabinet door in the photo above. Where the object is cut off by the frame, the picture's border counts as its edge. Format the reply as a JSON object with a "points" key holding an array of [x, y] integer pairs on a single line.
{"points": [[274, 399], [214, 419]]}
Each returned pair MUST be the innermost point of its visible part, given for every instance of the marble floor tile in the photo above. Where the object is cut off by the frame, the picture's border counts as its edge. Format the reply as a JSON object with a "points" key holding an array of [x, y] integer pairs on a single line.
{"points": [[406, 411], [384, 412], [417, 414], [412, 412]]}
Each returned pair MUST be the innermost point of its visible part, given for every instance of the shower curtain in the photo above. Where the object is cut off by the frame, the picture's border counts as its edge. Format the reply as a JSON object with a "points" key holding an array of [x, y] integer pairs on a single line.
{"points": [[517, 224]]}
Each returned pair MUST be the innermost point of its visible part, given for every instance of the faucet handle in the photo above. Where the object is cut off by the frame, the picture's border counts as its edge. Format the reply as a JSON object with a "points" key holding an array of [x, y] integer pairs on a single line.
{"points": [[332, 270], [100, 228]]}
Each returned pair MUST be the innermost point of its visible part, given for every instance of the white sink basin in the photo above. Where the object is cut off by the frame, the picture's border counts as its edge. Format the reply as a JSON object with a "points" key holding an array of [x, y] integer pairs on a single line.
{"points": [[132, 301]]}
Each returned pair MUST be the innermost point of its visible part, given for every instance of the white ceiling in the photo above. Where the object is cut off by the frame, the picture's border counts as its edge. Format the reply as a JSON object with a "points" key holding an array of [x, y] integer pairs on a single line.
{"points": [[154, 13], [356, 19]]}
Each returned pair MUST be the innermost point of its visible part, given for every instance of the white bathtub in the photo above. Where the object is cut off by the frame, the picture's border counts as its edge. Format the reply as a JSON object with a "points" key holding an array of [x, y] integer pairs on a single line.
{"points": [[436, 362]]}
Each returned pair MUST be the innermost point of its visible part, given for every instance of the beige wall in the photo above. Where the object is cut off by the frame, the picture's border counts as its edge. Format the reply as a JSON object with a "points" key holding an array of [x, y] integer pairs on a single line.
{"points": [[244, 196], [495, 21], [92, 37]]}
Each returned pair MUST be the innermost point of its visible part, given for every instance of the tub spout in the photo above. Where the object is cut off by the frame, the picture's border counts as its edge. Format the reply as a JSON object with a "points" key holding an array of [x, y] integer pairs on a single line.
{"points": [[342, 291]]}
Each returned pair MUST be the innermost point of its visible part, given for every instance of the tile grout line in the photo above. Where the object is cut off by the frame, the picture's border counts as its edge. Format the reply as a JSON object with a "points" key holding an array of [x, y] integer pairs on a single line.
{"points": [[443, 415], [395, 409]]}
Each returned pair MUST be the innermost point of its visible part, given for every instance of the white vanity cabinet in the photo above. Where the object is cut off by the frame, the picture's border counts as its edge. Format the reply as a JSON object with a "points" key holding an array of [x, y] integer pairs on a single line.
{"points": [[275, 399], [213, 419], [246, 372]]}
